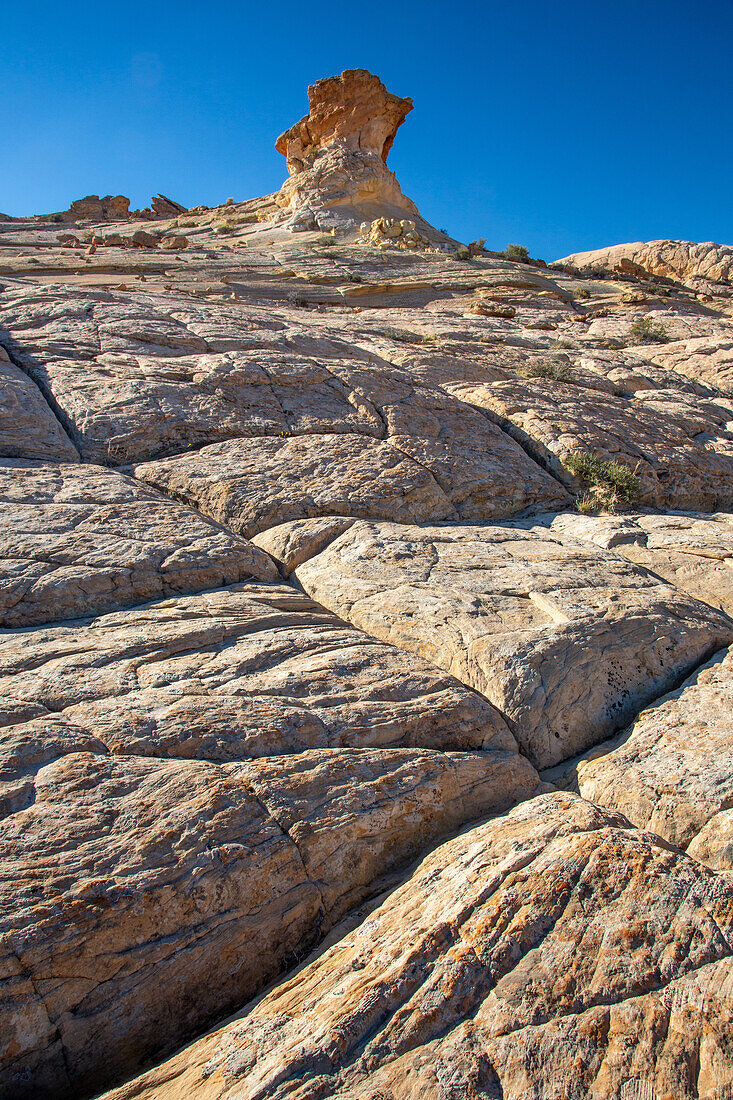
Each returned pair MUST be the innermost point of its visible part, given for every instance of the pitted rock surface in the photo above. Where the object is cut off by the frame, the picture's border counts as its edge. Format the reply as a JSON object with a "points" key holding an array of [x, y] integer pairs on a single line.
{"points": [[567, 642], [552, 953]]}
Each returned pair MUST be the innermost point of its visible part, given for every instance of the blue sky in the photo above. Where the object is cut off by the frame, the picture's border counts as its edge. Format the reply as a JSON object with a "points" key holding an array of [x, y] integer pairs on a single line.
{"points": [[558, 125]]}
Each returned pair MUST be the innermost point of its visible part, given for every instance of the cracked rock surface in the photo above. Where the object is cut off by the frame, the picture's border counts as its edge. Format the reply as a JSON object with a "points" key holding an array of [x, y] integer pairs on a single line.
{"points": [[567, 642], [525, 958], [303, 573], [672, 770], [76, 539]]}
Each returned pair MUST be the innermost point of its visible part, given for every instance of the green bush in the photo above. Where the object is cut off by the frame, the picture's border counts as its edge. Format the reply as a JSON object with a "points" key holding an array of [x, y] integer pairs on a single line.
{"points": [[611, 485], [559, 372], [404, 336], [516, 252], [648, 331]]}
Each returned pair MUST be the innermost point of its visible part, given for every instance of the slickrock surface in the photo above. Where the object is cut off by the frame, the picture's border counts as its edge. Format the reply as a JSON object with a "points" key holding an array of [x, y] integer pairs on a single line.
{"points": [[567, 642], [151, 877], [676, 259], [203, 772], [680, 447], [672, 771], [249, 670], [78, 539], [141, 898], [692, 551], [28, 428], [552, 953]]}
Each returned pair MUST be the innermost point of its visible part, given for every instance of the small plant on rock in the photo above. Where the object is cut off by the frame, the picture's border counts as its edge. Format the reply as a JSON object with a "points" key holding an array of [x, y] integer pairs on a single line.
{"points": [[404, 336], [648, 331], [558, 372], [516, 252], [612, 486]]}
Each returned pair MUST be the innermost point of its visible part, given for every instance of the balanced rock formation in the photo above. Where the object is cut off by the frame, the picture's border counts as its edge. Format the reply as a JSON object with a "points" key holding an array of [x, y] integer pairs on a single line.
{"points": [[337, 153], [314, 547], [354, 109]]}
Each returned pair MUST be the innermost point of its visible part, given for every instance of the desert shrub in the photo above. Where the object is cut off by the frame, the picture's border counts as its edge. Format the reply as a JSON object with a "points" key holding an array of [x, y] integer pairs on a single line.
{"points": [[461, 253], [611, 485], [559, 372], [583, 292], [404, 336], [648, 331], [516, 252]]}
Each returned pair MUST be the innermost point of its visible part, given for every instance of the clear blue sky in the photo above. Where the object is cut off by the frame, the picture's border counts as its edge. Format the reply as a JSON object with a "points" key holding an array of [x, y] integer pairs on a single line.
{"points": [[558, 125]]}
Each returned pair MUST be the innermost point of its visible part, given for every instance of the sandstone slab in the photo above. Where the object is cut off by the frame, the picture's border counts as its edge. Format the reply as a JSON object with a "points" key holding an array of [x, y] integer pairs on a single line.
{"points": [[554, 953], [192, 793], [143, 898], [692, 551], [78, 540], [566, 641], [672, 770], [245, 671], [28, 428], [159, 381], [679, 446]]}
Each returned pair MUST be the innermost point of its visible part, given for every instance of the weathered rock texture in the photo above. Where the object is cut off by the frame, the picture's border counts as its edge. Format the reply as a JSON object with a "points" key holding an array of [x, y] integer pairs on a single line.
{"points": [[202, 771], [28, 428], [554, 953], [677, 259], [567, 642], [169, 846], [692, 551], [672, 771], [75, 540]]}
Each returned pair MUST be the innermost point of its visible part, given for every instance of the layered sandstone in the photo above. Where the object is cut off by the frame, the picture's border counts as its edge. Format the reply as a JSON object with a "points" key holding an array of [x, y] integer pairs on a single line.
{"points": [[336, 156], [293, 586]]}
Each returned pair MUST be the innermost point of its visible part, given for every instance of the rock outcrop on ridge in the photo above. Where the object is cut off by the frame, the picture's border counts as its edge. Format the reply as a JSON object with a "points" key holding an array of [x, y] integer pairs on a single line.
{"points": [[679, 260], [319, 536], [337, 154]]}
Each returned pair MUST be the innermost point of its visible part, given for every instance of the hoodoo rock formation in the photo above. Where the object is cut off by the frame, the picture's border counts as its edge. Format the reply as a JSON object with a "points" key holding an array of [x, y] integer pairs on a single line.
{"points": [[337, 153], [354, 110], [366, 651]]}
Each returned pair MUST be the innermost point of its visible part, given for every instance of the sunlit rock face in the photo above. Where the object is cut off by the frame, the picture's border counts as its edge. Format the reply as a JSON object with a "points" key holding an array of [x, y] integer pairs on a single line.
{"points": [[337, 153]]}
